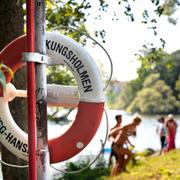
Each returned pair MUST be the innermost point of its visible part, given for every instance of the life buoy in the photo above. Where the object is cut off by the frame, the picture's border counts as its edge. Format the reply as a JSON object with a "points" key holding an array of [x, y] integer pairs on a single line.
{"points": [[66, 51]]}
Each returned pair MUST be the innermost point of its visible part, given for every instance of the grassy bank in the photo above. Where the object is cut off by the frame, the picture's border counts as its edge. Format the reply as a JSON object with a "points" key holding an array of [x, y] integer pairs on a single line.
{"points": [[164, 167]]}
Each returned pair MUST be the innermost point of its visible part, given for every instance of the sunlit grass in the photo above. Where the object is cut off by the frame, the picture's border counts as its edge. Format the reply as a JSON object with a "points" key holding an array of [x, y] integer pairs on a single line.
{"points": [[164, 167]]}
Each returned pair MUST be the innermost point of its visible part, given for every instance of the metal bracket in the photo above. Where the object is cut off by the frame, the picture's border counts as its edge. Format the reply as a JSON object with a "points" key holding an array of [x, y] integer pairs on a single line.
{"points": [[34, 57]]}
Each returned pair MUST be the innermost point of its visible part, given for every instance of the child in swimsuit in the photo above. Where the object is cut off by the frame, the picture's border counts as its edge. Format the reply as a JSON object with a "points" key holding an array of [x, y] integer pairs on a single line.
{"points": [[122, 138]]}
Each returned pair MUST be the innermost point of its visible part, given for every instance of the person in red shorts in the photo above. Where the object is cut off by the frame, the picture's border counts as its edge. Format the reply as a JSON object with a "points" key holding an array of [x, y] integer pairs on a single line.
{"points": [[171, 126]]}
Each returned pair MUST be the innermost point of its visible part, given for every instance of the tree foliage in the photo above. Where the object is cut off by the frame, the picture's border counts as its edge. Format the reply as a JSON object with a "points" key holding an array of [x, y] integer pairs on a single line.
{"points": [[62, 14], [158, 88], [155, 97], [145, 93], [178, 87], [60, 75], [128, 93]]}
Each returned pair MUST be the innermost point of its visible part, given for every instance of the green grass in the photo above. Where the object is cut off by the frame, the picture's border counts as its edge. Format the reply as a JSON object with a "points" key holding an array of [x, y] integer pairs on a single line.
{"points": [[164, 167]]}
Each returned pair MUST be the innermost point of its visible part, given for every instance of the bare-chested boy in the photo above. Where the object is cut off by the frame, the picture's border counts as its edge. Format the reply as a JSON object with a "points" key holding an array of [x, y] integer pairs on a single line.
{"points": [[112, 135], [122, 138]]}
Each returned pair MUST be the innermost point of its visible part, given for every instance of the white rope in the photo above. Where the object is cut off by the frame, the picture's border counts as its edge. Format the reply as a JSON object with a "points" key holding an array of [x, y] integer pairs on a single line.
{"points": [[93, 161], [13, 165], [100, 45]]}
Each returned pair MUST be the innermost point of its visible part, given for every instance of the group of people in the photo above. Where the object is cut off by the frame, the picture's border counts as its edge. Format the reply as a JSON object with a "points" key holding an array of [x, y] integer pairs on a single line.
{"points": [[167, 133], [119, 136], [120, 141]]}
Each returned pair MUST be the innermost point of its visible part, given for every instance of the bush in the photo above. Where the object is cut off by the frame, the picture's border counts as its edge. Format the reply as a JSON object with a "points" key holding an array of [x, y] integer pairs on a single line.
{"points": [[96, 172]]}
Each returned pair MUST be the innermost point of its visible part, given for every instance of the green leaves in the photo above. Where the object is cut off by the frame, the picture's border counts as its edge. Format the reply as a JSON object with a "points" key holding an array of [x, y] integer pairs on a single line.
{"points": [[156, 97], [157, 86]]}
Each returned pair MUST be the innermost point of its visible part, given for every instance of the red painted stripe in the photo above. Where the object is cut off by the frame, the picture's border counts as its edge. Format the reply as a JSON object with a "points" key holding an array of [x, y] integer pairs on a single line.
{"points": [[83, 129], [31, 92]]}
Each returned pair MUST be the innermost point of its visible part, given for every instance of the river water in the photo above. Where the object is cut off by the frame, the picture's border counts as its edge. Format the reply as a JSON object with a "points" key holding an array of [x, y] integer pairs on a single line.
{"points": [[146, 131]]}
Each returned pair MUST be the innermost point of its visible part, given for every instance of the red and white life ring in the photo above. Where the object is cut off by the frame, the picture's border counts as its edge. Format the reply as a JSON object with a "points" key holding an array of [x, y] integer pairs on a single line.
{"points": [[66, 51]]}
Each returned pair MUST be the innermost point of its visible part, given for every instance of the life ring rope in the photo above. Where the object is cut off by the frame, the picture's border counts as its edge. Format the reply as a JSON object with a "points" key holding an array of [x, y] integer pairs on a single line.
{"points": [[90, 106]]}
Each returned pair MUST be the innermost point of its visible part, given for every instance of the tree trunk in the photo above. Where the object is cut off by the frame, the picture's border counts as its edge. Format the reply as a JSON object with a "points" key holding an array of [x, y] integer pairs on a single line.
{"points": [[12, 24]]}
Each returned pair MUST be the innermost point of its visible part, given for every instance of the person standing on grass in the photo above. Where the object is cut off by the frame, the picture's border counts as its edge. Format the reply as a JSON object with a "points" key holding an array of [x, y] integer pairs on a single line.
{"points": [[162, 131], [171, 126], [112, 135], [121, 140]]}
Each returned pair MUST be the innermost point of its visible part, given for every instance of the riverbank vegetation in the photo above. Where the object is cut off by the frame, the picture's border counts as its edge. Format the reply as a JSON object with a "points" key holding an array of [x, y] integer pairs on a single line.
{"points": [[154, 167], [156, 90]]}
